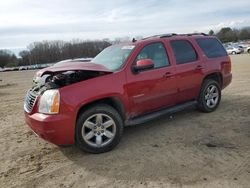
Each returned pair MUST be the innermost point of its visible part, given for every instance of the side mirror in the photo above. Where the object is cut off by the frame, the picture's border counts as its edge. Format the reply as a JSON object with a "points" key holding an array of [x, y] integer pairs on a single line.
{"points": [[143, 64]]}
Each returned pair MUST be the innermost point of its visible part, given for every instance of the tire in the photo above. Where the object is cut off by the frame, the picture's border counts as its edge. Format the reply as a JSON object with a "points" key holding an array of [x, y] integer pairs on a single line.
{"points": [[248, 51], [98, 129], [210, 96], [233, 52]]}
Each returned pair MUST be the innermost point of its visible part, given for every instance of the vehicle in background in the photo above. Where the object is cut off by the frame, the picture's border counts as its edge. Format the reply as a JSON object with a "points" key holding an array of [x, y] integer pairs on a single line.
{"points": [[7, 69], [29, 67], [23, 68], [233, 50], [244, 45], [248, 49], [15, 68], [44, 65], [241, 48], [88, 104]]}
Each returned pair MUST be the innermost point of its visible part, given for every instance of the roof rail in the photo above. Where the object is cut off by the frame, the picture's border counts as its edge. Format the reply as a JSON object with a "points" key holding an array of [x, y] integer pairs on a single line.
{"points": [[161, 36], [174, 34], [191, 34], [150, 37], [168, 35]]}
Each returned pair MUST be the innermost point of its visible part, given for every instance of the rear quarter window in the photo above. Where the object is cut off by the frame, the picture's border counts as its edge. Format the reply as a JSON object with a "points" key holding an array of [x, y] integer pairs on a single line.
{"points": [[211, 47]]}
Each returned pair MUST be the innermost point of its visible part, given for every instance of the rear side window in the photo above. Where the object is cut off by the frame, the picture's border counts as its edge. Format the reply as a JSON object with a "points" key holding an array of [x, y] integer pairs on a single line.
{"points": [[211, 47], [183, 51]]}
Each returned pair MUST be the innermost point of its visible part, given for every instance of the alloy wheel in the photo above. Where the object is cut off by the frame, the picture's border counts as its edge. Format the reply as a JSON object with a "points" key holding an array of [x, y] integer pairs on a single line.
{"points": [[212, 96], [98, 130]]}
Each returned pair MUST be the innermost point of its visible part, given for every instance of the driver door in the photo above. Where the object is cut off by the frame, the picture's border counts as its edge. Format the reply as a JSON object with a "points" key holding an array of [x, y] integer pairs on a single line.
{"points": [[149, 90]]}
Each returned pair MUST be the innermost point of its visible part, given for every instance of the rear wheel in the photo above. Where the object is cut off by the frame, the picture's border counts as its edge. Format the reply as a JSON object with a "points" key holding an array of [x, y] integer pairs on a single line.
{"points": [[248, 50], [98, 129], [210, 96]]}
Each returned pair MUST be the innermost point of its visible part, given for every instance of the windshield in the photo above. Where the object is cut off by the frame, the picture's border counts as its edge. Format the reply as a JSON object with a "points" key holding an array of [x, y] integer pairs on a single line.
{"points": [[113, 57]]}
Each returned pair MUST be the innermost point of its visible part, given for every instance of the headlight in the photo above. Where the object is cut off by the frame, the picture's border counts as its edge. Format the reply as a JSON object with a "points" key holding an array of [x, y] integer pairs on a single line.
{"points": [[50, 102]]}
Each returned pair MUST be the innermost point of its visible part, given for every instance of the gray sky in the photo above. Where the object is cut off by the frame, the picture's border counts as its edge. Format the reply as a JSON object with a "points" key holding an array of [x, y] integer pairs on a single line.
{"points": [[26, 21]]}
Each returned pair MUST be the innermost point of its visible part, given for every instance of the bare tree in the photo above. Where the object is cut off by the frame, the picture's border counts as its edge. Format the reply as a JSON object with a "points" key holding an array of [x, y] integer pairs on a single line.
{"points": [[53, 51]]}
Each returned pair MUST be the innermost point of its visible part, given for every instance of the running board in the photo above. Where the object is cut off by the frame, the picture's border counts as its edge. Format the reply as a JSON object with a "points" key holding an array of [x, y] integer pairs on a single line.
{"points": [[159, 113]]}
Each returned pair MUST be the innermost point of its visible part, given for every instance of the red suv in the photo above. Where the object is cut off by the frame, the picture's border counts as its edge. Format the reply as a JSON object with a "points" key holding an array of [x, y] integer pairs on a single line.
{"points": [[89, 103]]}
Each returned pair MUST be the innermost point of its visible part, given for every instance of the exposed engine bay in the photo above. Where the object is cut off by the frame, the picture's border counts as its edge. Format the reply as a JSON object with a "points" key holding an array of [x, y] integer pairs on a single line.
{"points": [[54, 80]]}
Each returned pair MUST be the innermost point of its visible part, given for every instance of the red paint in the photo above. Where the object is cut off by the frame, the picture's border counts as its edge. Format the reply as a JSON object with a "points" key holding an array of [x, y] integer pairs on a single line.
{"points": [[139, 93], [144, 62]]}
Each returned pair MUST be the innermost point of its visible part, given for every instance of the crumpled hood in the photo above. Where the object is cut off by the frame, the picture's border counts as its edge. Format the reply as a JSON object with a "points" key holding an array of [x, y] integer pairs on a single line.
{"points": [[73, 66]]}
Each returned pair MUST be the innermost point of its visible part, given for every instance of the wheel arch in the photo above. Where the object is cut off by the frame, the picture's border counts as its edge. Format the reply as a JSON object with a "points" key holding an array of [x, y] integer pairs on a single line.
{"points": [[114, 102], [217, 76]]}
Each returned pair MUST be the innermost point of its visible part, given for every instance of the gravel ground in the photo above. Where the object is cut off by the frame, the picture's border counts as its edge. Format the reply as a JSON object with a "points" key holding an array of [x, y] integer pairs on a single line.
{"points": [[188, 149]]}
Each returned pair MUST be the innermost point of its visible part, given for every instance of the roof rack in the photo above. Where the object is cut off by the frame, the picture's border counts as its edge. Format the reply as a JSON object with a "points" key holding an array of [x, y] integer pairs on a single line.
{"points": [[161, 36], [174, 34], [191, 34], [168, 35]]}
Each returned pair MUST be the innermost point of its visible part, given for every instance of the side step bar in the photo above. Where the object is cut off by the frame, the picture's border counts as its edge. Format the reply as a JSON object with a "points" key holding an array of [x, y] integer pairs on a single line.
{"points": [[166, 111]]}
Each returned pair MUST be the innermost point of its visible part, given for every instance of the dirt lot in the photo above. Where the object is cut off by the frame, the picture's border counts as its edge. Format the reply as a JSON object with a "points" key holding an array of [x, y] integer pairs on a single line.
{"points": [[188, 149]]}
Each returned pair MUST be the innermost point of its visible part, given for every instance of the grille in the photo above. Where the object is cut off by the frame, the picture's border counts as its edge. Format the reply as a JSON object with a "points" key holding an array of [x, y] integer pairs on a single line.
{"points": [[29, 102]]}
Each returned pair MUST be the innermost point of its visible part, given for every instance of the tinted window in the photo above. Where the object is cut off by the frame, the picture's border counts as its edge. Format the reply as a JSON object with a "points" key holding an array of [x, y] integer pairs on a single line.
{"points": [[156, 52], [183, 51], [211, 47]]}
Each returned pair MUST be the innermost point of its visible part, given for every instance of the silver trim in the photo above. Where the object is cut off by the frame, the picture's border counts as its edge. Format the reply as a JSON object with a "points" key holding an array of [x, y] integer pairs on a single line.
{"points": [[98, 130], [212, 96], [30, 101]]}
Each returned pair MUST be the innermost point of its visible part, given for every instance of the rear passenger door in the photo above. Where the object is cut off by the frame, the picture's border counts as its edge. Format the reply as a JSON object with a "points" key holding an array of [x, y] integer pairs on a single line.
{"points": [[189, 69]]}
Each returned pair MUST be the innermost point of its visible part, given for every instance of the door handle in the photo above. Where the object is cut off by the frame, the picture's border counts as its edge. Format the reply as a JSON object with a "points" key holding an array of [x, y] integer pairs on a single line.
{"points": [[199, 67], [168, 75]]}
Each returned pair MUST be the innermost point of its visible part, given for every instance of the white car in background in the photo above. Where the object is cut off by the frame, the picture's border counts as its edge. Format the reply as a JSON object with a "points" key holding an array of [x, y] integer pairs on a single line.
{"points": [[248, 49], [233, 50]]}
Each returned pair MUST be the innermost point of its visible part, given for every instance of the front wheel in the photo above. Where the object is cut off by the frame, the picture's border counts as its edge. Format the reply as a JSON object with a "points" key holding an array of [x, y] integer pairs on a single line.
{"points": [[210, 96], [233, 52], [98, 129]]}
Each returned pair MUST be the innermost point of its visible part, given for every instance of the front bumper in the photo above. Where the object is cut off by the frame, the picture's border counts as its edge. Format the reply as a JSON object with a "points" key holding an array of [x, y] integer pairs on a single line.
{"points": [[57, 129]]}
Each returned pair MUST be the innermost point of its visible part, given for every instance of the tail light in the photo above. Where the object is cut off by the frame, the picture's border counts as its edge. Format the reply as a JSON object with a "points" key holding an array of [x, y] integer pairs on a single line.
{"points": [[226, 66]]}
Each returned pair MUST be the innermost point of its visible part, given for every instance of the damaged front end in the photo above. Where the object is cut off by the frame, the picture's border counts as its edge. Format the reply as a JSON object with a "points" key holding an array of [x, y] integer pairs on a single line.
{"points": [[55, 80]]}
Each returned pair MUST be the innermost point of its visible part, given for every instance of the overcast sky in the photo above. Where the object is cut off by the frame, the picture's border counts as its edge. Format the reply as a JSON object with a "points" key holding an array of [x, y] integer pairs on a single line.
{"points": [[26, 21]]}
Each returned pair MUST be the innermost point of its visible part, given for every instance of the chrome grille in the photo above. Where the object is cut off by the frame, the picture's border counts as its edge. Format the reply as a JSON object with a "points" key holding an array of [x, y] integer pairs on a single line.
{"points": [[30, 100]]}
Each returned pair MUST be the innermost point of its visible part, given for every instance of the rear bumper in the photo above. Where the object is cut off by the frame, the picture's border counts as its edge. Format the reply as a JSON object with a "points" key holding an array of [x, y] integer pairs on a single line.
{"points": [[227, 79], [57, 129]]}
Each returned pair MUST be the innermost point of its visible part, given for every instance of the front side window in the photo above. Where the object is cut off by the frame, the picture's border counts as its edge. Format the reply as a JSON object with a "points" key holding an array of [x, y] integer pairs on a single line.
{"points": [[212, 47], [113, 57], [183, 51], [156, 52]]}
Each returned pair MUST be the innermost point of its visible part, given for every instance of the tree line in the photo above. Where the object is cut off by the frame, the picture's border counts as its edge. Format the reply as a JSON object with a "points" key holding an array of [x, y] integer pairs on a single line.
{"points": [[228, 34], [54, 51], [7, 58]]}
